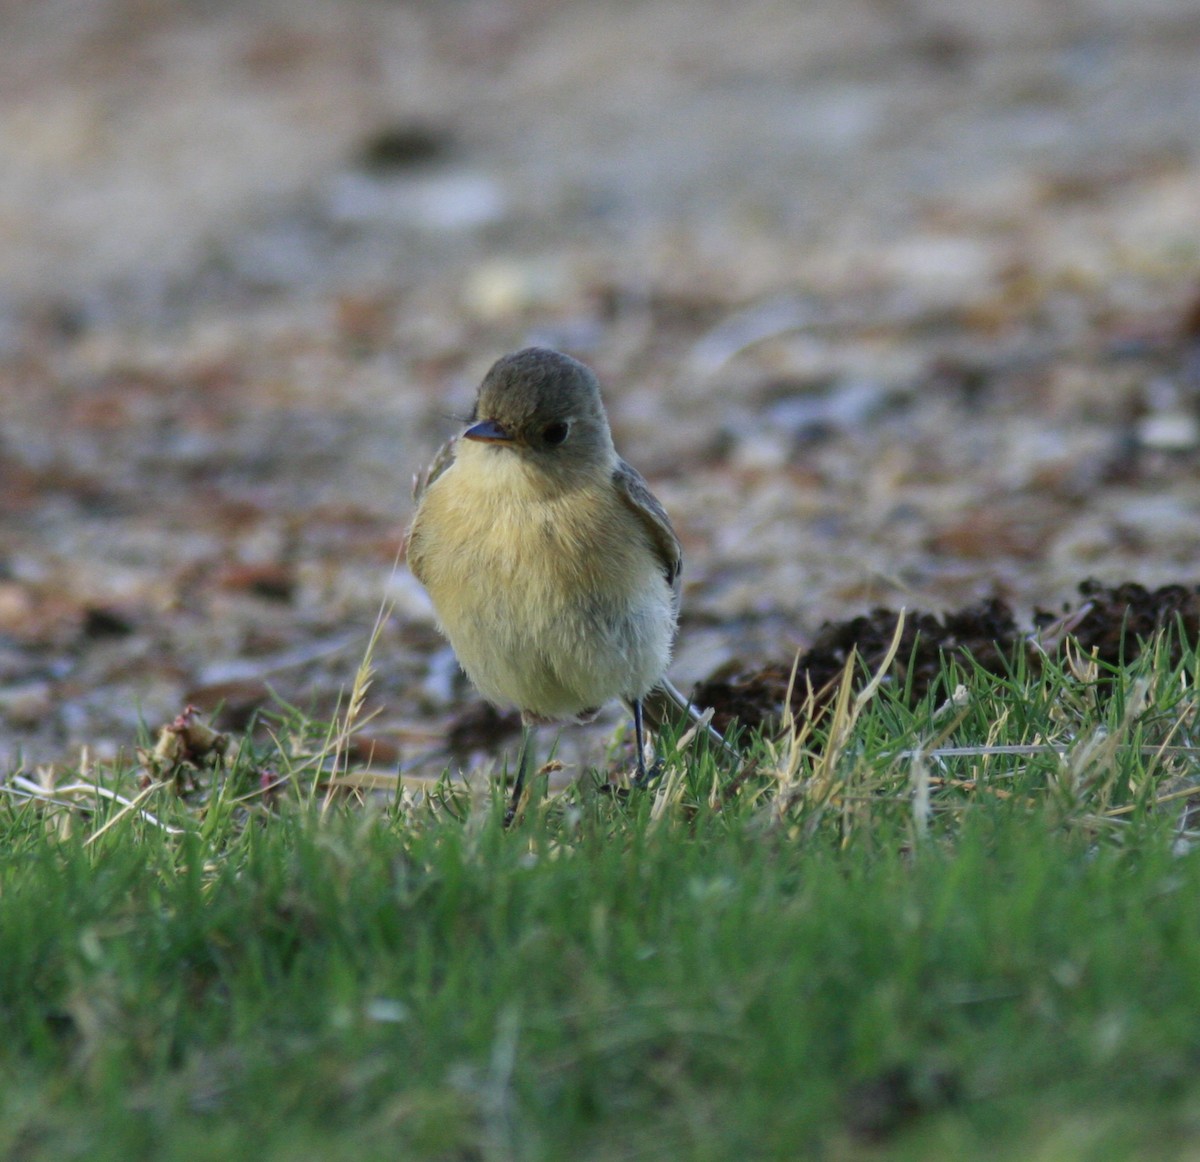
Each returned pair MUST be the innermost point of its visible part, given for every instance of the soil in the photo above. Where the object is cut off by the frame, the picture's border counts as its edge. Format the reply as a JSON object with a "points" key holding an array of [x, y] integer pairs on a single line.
{"points": [[1111, 624]]}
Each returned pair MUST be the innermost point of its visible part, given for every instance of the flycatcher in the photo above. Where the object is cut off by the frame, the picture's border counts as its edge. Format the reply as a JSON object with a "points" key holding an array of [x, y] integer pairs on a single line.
{"points": [[553, 569]]}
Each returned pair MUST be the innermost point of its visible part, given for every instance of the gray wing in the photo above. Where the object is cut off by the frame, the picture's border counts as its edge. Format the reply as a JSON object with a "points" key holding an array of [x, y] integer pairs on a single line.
{"points": [[420, 485], [442, 460], [635, 493]]}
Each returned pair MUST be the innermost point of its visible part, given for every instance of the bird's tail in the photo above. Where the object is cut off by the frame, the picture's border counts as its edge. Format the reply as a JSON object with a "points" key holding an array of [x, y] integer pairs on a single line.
{"points": [[665, 704]]}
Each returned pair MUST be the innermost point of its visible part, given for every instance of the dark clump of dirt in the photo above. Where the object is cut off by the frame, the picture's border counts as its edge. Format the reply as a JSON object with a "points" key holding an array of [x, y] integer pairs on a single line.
{"points": [[1111, 622], [752, 698], [480, 726], [878, 1107], [403, 146], [987, 632]]}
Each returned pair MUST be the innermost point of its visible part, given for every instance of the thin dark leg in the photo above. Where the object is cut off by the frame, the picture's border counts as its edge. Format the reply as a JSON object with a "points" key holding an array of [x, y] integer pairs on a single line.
{"points": [[639, 735], [524, 766]]}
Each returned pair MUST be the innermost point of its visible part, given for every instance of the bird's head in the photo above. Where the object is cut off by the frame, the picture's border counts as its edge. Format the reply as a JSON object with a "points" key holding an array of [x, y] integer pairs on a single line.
{"points": [[545, 407]]}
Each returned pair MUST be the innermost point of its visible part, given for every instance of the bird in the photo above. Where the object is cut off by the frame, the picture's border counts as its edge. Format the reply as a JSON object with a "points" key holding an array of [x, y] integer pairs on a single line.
{"points": [[553, 569]]}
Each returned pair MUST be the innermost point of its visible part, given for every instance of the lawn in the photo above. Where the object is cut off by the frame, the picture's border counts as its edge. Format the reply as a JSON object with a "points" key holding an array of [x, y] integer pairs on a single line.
{"points": [[964, 928]]}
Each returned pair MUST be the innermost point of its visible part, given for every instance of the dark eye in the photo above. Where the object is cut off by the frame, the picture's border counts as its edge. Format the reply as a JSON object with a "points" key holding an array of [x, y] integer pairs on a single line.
{"points": [[555, 433]]}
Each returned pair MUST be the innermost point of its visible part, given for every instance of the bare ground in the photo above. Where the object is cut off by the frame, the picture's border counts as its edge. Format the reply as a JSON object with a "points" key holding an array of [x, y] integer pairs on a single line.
{"points": [[894, 302]]}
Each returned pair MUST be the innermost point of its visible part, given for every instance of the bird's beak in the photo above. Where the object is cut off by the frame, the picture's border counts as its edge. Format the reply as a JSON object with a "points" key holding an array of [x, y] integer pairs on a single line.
{"points": [[488, 432]]}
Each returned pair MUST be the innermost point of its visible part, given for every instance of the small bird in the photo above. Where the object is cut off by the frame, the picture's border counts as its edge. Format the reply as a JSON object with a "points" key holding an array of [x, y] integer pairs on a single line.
{"points": [[553, 569]]}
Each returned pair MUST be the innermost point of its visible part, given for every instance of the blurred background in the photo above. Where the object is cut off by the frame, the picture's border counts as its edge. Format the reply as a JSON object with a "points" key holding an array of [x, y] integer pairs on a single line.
{"points": [[895, 302]]}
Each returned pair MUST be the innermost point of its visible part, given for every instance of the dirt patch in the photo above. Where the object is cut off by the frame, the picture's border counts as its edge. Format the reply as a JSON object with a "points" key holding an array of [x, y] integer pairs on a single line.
{"points": [[1112, 624]]}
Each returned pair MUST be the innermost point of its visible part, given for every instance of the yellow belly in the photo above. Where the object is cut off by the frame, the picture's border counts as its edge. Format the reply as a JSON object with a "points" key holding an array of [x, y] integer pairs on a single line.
{"points": [[553, 604]]}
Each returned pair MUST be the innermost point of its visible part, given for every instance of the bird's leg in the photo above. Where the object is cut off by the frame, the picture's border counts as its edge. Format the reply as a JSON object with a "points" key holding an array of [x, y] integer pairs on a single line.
{"points": [[525, 762], [642, 778]]}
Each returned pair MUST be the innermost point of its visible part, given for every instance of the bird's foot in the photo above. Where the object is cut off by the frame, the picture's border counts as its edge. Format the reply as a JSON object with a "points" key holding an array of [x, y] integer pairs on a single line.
{"points": [[647, 775]]}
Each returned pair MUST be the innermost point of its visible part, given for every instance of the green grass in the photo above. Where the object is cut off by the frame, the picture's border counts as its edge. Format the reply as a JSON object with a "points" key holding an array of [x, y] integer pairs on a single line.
{"points": [[968, 929]]}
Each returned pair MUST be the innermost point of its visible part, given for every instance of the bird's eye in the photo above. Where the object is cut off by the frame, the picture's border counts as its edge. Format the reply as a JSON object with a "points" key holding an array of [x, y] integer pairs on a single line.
{"points": [[555, 433]]}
